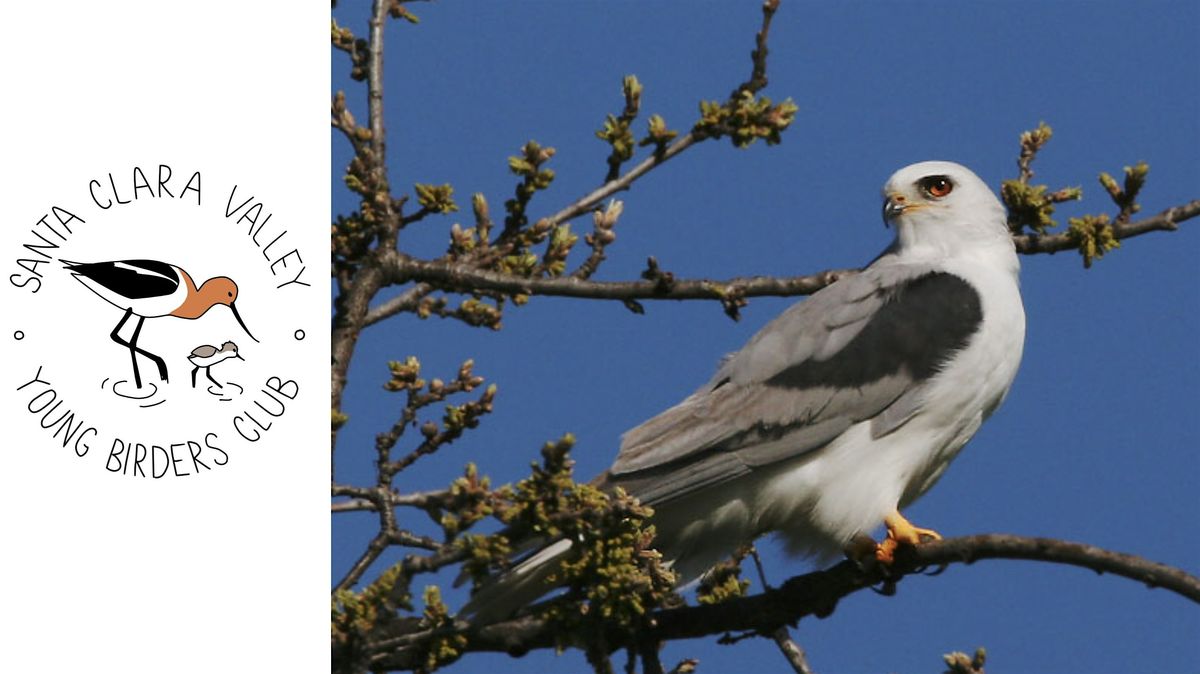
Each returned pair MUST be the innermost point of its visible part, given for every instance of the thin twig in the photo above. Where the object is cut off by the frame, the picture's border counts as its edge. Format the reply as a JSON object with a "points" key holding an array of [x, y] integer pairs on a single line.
{"points": [[367, 498], [374, 549], [406, 301], [353, 505], [375, 80], [757, 81], [758, 566], [1167, 221], [758, 73], [791, 651], [589, 201]]}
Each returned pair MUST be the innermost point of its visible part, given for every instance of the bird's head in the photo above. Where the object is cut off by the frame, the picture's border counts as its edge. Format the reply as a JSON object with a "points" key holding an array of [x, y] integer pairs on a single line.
{"points": [[943, 205], [222, 290]]}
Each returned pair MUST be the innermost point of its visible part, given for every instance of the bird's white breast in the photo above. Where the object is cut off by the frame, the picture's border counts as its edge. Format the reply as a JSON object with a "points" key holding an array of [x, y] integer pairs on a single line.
{"points": [[822, 501]]}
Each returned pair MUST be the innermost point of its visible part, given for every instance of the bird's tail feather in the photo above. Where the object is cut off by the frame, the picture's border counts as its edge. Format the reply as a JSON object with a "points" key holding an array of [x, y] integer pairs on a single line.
{"points": [[520, 586]]}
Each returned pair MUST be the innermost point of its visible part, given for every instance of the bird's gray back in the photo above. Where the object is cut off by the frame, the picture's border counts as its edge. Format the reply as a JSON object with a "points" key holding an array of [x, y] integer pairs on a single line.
{"points": [[857, 350]]}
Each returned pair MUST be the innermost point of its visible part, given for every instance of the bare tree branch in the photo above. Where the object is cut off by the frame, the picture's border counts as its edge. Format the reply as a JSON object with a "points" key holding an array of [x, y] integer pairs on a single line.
{"points": [[372, 552], [369, 498], [408, 300], [400, 269], [350, 309], [354, 296], [817, 594], [758, 75], [792, 651], [756, 82], [375, 80]]}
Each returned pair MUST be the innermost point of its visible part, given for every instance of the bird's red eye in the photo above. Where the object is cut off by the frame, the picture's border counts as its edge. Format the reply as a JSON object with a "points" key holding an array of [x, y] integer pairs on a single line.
{"points": [[936, 186]]}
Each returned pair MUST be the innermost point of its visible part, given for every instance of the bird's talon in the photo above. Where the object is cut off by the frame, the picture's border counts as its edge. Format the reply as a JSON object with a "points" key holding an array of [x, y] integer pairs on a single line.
{"points": [[928, 533], [901, 532], [885, 552]]}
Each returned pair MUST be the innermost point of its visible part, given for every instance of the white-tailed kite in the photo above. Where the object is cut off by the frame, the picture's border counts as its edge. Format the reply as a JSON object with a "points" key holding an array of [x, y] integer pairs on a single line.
{"points": [[841, 411]]}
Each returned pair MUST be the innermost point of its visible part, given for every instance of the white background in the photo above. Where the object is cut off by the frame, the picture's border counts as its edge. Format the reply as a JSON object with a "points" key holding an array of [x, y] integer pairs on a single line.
{"points": [[224, 571]]}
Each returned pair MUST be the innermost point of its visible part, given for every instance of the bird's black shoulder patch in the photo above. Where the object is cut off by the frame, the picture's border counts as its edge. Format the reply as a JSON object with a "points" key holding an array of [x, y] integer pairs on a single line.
{"points": [[916, 330]]}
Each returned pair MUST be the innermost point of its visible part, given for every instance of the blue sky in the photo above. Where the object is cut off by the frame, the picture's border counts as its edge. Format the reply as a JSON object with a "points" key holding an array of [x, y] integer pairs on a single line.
{"points": [[1098, 439]]}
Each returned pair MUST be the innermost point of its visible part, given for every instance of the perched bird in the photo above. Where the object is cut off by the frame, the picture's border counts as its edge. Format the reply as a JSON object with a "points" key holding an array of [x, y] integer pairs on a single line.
{"points": [[148, 289], [206, 356], [841, 411]]}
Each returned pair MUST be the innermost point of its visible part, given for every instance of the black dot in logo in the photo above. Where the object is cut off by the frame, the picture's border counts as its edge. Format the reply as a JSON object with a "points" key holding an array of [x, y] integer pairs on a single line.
{"points": [[299, 335], [18, 335]]}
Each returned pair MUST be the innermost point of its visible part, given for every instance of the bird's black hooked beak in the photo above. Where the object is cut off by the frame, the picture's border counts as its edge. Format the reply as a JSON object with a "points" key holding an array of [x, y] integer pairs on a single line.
{"points": [[893, 206], [240, 321]]}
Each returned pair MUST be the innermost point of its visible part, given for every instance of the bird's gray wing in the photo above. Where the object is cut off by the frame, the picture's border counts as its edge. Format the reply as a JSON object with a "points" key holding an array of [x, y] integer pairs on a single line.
{"points": [[857, 350]]}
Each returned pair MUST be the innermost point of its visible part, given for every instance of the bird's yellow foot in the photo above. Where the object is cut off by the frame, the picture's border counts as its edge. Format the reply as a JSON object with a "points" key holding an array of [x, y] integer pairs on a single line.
{"points": [[900, 532]]}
